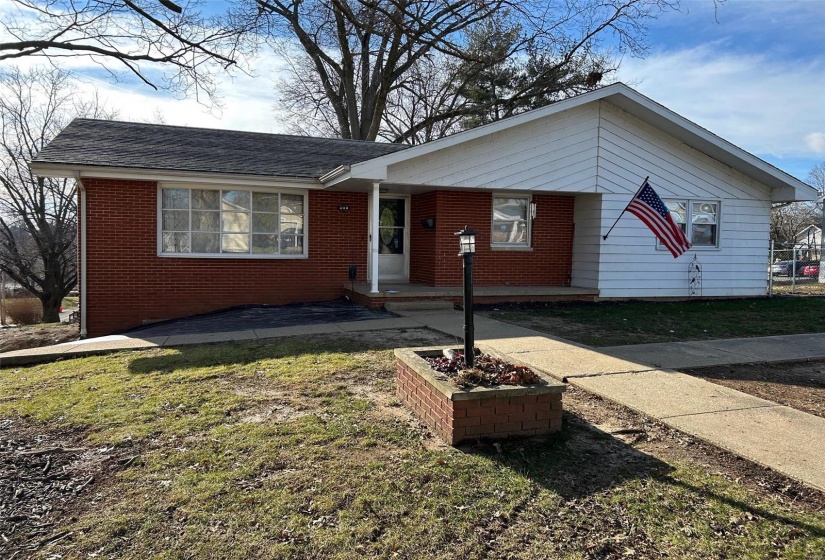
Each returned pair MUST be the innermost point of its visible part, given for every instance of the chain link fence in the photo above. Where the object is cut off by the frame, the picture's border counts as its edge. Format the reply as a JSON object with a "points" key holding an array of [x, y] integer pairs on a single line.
{"points": [[795, 269]]}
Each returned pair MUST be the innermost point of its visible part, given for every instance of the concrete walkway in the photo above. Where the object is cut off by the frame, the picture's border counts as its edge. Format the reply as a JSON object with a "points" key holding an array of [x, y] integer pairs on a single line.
{"points": [[775, 436], [778, 437]]}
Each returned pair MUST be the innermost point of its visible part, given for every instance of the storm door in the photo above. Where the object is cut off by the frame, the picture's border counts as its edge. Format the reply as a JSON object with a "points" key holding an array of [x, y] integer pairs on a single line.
{"points": [[393, 239]]}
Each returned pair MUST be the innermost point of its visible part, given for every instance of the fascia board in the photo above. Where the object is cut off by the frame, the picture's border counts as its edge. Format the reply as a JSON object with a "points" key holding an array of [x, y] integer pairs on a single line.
{"points": [[72, 171]]}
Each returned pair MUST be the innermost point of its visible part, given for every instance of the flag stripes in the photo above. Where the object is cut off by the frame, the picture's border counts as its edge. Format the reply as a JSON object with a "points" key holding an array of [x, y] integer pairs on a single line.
{"points": [[648, 207]]}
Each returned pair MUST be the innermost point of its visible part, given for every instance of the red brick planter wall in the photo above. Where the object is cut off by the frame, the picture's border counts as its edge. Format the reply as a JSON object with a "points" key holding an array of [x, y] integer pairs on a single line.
{"points": [[456, 415]]}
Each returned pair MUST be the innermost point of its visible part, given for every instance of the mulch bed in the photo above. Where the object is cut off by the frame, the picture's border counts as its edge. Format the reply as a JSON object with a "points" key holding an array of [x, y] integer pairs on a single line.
{"points": [[44, 473], [799, 385], [487, 370]]}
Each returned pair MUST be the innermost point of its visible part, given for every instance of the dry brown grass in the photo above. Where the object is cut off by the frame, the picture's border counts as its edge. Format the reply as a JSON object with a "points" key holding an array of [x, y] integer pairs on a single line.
{"points": [[24, 311], [806, 288]]}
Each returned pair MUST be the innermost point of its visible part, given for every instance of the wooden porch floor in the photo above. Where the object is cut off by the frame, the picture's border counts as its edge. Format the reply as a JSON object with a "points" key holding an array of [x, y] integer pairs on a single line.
{"points": [[398, 292]]}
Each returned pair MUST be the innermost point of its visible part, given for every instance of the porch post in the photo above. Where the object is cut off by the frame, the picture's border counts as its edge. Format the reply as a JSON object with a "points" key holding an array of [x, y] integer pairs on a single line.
{"points": [[374, 239]]}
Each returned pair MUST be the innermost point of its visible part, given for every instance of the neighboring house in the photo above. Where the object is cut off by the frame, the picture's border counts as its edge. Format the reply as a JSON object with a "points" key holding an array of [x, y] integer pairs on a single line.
{"points": [[808, 242], [176, 221]]}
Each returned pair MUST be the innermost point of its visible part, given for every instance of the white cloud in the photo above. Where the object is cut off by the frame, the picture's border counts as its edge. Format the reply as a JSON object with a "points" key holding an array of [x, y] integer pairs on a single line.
{"points": [[816, 142], [247, 102], [764, 105]]}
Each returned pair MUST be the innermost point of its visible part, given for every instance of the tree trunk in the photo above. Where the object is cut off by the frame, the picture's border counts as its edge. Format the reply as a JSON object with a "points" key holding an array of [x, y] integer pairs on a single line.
{"points": [[51, 309]]}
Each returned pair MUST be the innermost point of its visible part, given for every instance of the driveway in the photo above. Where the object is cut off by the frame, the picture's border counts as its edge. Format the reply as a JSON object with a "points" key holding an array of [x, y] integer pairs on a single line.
{"points": [[264, 317]]}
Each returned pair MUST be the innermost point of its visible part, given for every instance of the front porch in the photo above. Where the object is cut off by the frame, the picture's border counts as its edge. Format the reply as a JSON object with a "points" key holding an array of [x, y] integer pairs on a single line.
{"points": [[404, 292]]}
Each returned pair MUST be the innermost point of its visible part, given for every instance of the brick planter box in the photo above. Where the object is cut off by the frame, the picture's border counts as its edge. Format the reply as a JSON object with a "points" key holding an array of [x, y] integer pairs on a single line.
{"points": [[457, 414]]}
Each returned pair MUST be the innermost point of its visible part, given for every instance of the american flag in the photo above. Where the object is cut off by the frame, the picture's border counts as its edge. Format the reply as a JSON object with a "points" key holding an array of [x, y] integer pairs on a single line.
{"points": [[648, 207]]}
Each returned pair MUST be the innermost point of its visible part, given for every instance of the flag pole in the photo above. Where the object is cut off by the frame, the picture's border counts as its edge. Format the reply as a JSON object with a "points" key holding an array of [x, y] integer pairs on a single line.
{"points": [[626, 207]]}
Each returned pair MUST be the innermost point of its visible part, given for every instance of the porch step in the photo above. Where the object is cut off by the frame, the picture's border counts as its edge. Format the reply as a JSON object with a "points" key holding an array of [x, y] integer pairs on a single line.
{"points": [[421, 305]]}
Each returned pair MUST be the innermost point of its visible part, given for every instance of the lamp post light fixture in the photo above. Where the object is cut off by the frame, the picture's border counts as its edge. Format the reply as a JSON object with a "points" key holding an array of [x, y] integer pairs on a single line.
{"points": [[467, 244]]}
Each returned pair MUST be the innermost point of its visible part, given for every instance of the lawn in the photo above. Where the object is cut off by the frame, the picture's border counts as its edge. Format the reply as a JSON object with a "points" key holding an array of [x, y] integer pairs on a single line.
{"points": [[638, 322], [297, 448]]}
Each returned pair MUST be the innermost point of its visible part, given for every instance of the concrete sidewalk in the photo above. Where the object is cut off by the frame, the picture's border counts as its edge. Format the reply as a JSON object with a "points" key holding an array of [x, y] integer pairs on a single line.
{"points": [[701, 353], [778, 437]]}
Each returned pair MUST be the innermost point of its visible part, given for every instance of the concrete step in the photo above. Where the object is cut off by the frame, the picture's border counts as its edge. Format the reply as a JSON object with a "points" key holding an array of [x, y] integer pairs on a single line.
{"points": [[423, 305]]}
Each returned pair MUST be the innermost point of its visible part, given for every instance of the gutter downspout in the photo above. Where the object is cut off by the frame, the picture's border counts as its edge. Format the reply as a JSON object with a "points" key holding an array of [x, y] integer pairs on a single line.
{"points": [[374, 238], [82, 190]]}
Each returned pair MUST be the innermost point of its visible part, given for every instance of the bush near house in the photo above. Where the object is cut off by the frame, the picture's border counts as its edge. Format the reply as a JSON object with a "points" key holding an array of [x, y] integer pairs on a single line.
{"points": [[23, 311]]}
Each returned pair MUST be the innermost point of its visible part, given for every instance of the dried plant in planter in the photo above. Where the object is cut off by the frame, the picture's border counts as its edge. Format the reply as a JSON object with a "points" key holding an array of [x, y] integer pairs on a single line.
{"points": [[488, 371]]}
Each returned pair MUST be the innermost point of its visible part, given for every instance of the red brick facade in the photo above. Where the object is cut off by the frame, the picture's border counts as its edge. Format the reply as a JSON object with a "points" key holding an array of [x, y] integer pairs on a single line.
{"points": [[129, 284], [433, 253]]}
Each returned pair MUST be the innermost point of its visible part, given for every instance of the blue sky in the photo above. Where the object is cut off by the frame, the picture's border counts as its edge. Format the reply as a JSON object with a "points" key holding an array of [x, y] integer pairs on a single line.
{"points": [[752, 72]]}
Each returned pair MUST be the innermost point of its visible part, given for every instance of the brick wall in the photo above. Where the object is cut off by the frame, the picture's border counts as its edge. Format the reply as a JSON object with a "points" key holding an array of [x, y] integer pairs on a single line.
{"points": [[423, 240], [129, 284], [458, 420], [434, 260]]}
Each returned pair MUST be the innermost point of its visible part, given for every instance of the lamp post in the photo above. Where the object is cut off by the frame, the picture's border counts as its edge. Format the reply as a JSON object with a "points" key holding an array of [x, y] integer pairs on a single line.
{"points": [[467, 244]]}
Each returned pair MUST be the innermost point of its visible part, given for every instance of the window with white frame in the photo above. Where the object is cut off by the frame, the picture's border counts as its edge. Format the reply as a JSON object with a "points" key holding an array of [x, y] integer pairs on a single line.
{"points": [[699, 219], [232, 222], [511, 221]]}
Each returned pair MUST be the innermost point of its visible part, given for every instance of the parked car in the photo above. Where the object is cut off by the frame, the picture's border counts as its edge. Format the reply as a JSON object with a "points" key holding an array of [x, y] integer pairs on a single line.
{"points": [[781, 268], [785, 268], [811, 270]]}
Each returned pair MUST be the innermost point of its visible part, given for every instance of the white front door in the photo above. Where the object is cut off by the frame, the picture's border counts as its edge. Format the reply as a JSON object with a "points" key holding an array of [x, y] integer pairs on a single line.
{"points": [[393, 238]]}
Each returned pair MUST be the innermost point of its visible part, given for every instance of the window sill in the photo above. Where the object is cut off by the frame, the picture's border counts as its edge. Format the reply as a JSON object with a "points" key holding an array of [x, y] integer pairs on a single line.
{"points": [[239, 256], [506, 248], [700, 249]]}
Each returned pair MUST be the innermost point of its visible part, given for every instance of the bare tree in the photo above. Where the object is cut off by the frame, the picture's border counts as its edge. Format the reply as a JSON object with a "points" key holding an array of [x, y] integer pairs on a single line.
{"points": [[353, 63], [790, 219], [38, 217], [143, 37], [816, 178]]}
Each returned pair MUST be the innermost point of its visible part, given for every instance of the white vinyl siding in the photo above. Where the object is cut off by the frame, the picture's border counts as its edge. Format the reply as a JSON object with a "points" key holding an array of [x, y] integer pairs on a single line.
{"points": [[629, 263], [231, 223], [553, 153], [587, 237]]}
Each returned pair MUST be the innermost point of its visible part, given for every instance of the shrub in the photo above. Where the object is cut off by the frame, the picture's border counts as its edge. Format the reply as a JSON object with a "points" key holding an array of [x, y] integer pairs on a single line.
{"points": [[24, 311]]}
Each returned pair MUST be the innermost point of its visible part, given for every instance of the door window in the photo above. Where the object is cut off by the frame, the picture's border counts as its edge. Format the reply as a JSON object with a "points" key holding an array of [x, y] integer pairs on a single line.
{"points": [[391, 221]]}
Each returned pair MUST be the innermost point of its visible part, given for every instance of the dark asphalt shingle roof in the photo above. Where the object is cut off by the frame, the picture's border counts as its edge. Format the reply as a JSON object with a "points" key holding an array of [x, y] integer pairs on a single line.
{"points": [[87, 142]]}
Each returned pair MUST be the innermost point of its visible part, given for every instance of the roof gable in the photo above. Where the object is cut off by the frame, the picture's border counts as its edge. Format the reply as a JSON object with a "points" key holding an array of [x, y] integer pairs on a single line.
{"points": [[786, 187]]}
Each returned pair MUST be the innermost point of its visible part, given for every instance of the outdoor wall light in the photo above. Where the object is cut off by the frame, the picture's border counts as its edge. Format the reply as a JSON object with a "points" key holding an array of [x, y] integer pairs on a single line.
{"points": [[344, 208], [428, 223]]}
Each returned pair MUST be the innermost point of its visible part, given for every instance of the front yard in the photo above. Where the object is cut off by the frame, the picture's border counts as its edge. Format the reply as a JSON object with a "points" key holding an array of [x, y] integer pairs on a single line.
{"points": [[638, 322], [297, 448]]}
